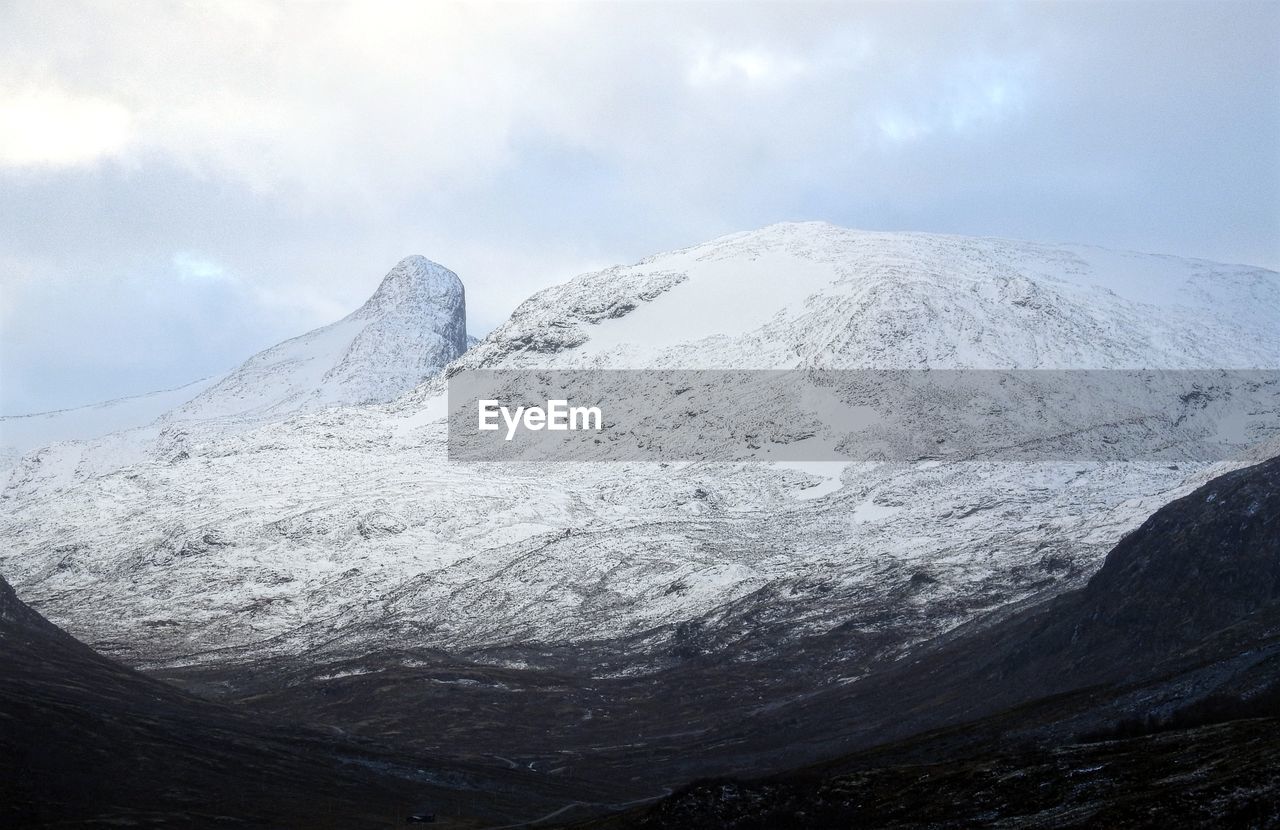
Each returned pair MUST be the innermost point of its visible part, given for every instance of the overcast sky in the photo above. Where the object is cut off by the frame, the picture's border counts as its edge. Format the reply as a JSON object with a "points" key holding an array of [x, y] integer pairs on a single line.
{"points": [[182, 184]]}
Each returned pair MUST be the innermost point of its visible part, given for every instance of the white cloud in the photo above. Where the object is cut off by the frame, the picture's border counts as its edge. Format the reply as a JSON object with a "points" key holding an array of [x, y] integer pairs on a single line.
{"points": [[190, 266], [321, 100], [373, 102], [50, 128], [754, 67]]}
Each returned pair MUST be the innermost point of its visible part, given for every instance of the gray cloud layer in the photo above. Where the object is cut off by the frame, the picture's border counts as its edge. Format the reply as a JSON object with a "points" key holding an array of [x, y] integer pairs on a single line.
{"points": [[181, 184]]}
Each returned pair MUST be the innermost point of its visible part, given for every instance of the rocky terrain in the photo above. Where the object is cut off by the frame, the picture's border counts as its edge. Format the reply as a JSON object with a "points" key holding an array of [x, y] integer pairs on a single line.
{"points": [[1214, 776]]}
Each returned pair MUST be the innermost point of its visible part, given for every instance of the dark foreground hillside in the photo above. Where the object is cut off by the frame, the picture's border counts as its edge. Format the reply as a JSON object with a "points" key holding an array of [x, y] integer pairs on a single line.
{"points": [[85, 741], [1149, 698], [1226, 775]]}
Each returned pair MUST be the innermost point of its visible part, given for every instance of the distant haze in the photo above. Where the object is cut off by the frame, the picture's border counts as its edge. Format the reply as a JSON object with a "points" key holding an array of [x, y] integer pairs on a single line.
{"points": [[182, 185]]}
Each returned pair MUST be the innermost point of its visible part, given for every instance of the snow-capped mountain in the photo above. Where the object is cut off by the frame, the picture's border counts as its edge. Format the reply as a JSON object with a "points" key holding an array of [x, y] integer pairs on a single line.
{"points": [[334, 531], [814, 295], [412, 326]]}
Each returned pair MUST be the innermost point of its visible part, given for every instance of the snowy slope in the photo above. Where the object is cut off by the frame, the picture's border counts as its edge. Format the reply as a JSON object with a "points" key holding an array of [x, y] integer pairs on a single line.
{"points": [[816, 295], [346, 527], [19, 434]]}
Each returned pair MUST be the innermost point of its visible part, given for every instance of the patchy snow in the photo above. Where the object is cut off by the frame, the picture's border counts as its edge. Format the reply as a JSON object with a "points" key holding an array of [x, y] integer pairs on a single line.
{"points": [[827, 473], [870, 511]]}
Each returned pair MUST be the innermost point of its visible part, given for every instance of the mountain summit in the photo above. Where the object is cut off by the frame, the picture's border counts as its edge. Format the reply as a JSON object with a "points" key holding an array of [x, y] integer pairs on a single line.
{"points": [[415, 282], [414, 324]]}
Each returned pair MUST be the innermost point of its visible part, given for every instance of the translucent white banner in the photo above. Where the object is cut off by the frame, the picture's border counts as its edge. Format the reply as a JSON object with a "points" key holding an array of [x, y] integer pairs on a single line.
{"points": [[860, 415]]}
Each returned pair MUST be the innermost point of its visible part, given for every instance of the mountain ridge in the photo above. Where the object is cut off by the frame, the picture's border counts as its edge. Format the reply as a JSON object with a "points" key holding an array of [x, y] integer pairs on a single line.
{"points": [[785, 290]]}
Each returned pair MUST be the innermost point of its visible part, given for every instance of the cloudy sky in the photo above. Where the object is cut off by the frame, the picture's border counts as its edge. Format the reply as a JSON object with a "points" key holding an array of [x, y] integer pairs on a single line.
{"points": [[182, 184]]}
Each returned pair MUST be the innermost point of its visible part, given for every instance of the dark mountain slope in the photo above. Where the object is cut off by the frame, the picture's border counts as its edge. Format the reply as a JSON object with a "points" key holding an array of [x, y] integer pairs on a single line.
{"points": [[1150, 697], [87, 742], [1184, 608], [1197, 568]]}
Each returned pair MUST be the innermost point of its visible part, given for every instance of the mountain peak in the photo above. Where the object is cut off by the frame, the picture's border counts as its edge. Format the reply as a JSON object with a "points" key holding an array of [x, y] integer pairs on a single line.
{"points": [[412, 326], [416, 281]]}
